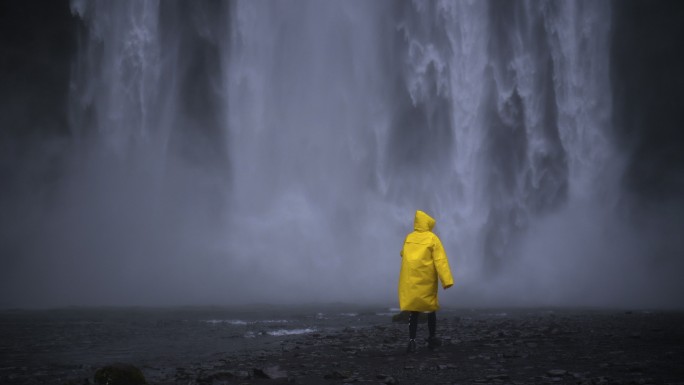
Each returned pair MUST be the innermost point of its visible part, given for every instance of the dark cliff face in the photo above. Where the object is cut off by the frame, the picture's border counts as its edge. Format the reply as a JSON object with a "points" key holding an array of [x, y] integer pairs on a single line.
{"points": [[647, 59], [37, 44], [38, 40]]}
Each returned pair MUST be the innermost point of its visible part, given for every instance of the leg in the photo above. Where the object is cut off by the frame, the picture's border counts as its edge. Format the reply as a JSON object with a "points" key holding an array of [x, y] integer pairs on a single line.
{"points": [[432, 323], [413, 324], [433, 341]]}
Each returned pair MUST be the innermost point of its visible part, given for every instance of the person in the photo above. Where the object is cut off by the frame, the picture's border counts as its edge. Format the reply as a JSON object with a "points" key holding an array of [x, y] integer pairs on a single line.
{"points": [[423, 262]]}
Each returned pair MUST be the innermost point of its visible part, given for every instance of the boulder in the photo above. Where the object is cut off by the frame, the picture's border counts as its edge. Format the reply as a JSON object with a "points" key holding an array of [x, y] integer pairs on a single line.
{"points": [[271, 372]]}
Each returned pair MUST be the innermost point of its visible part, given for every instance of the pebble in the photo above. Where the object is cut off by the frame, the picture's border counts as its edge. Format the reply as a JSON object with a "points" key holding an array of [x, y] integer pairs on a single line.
{"points": [[556, 372]]}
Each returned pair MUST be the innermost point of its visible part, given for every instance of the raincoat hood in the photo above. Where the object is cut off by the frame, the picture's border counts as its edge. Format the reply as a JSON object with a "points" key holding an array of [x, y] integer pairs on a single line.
{"points": [[423, 222]]}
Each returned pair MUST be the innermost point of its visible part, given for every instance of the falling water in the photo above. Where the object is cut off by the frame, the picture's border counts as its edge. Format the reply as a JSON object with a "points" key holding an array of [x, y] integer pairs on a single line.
{"points": [[344, 118], [266, 151]]}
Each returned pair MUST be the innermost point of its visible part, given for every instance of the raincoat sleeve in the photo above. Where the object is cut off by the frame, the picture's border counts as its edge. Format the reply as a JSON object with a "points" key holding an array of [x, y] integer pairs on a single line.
{"points": [[442, 264], [402, 248]]}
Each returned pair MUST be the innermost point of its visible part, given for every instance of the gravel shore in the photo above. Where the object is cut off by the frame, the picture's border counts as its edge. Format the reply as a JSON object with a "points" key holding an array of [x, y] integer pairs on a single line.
{"points": [[498, 347]]}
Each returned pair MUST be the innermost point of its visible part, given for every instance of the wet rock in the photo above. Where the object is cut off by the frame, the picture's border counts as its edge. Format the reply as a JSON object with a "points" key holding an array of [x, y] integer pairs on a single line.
{"points": [[578, 375], [511, 354], [386, 379], [215, 378], [337, 375], [498, 377], [556, 373], [271, 372], [243, 374], [119, 374], [78, 382]]}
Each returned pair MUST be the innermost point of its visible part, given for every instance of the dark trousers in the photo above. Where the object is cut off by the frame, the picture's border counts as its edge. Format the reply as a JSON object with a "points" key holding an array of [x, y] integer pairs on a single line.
{"points": [[413, 324]]}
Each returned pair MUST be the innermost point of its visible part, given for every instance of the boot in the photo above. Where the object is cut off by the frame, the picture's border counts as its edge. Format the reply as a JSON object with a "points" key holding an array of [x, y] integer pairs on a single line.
{"points": [[411, 346], [434, 342]]}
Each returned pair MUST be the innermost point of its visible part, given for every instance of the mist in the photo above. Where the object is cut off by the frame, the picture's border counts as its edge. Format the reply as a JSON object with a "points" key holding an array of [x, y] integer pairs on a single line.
{"points": [[221, 153]]}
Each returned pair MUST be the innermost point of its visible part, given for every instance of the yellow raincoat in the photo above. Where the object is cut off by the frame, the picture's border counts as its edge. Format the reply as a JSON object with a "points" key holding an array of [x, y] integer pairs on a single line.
{"points": [[423, 260]]}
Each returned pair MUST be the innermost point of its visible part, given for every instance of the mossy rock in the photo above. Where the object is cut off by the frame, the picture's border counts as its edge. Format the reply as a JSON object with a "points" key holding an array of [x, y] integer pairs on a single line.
{"points": [[403, 317], [119, 374]]}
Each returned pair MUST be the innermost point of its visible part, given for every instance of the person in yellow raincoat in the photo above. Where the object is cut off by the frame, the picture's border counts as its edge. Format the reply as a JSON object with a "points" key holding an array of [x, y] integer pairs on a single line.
{"points": [[423, 262]]}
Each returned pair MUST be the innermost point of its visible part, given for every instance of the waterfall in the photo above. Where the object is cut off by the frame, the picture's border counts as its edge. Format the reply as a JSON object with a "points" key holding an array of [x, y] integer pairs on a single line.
{"points": [[291, 142]]}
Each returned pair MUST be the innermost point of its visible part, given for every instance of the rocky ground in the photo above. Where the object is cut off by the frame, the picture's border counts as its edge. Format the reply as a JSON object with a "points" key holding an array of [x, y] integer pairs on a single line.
{"points": [[513, 347]]}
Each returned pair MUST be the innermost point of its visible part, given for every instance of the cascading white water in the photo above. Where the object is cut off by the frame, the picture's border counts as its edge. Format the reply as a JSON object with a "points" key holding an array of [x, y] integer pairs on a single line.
{"points": [[334, 121], [118, 77]]}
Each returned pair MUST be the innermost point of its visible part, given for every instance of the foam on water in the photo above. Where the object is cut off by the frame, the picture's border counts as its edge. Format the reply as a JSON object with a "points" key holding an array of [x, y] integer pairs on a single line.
{"points": [[242, 322], [290, 332]]}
